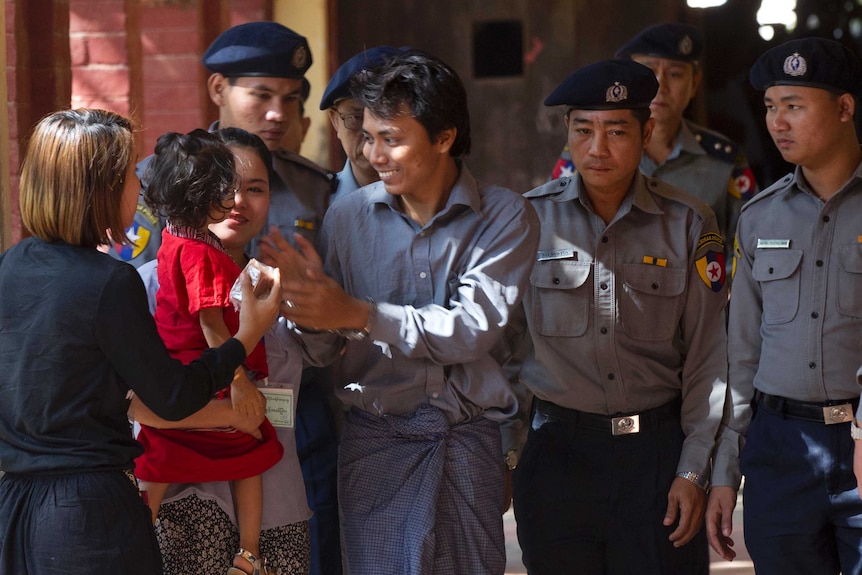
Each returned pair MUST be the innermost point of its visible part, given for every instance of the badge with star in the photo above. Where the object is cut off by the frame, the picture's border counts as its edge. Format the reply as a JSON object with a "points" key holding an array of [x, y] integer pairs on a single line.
{"points": [[711, 270], [139, 236]]}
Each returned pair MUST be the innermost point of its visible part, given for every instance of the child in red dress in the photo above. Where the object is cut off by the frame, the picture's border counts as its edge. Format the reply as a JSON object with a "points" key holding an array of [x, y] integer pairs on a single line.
{"points": [[192, 180]]}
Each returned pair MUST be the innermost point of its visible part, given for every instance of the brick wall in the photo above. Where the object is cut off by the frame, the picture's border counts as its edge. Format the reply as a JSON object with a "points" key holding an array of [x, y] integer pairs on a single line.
{"points": [[38, 77]]}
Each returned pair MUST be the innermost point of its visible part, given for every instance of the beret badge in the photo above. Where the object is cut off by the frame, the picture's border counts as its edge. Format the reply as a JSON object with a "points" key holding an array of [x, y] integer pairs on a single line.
{"points": [[300, 57], [795, 65], [686, 45], [616, 93]]}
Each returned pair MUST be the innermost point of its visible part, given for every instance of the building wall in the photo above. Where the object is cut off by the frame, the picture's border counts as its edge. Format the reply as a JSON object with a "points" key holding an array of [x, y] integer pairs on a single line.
{"points": [[516, 139]]}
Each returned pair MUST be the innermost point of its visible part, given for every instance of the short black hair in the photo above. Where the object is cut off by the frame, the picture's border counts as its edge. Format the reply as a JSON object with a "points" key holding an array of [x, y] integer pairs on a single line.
{"points": [[425, 85], [189, 174]]}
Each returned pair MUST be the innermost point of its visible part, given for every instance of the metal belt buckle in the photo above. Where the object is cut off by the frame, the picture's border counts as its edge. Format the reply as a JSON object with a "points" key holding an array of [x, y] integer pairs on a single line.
{"points": [[626, 425], [841, 413]]}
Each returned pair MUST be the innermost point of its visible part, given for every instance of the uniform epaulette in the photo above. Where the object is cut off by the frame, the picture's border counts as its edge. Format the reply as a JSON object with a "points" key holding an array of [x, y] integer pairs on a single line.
{"points": [[303, 161], [778, 186], [674, 194], [549, 188], [715, 144]]}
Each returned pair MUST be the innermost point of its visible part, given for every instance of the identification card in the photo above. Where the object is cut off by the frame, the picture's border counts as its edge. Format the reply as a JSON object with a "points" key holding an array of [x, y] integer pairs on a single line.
{"points": [[560, 254], [772, 244], [279, 406]]}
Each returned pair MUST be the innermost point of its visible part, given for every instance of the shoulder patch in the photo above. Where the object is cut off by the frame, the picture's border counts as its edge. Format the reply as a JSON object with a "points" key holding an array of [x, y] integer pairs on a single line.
{"points": [[711, 270], [710, 238], [715, 144]]}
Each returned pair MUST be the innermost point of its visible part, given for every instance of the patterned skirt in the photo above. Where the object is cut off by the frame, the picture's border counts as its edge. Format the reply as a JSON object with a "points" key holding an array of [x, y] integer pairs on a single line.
{"points": [[196, 537]]}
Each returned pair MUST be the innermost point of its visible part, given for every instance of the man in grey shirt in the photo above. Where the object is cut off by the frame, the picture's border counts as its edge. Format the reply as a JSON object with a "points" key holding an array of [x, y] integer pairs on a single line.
{"points": [[627, 362], [420, 273], [795, 322]]}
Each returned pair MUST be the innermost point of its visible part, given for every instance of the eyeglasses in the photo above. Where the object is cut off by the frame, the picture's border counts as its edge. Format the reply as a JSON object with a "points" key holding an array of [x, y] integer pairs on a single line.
{"points": [[352, 122]]}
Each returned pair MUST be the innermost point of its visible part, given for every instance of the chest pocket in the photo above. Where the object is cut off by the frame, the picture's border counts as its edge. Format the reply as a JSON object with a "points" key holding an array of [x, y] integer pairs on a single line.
{"points": [[560, 297], [777, 273], [652, 301], [850, 280]]}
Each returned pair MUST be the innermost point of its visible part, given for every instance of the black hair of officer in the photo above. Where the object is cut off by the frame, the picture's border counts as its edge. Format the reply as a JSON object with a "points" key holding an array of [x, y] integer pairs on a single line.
{"points": [[423, 84]]}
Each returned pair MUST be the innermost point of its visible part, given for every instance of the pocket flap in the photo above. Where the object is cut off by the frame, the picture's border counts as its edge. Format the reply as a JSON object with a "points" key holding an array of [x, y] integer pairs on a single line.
{"points": [[775, 264], [560, 274], [655, 280]]}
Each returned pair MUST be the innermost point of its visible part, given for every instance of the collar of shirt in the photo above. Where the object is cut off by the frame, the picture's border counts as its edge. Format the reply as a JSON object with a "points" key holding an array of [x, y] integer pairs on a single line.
{"points": [[464, 193], [801, 183], [190, 233]]}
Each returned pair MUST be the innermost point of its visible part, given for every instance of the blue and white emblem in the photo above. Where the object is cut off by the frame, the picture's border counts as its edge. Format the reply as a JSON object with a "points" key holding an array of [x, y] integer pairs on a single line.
{"points": [[795, 65], [616, 93]]}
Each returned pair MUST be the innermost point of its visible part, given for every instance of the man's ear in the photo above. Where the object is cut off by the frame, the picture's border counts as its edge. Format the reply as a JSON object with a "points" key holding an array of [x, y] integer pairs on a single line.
{"points": [[306, 124], [333, 119], [216, 86], [847, 106], [446, 139], [647, 131]]}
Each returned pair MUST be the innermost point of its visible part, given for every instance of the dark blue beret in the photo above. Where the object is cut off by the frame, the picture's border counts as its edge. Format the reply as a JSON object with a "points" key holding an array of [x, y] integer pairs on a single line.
{"points": [[259, 49], [814, 62], [339, 86], [607, 85], [673, 41]]}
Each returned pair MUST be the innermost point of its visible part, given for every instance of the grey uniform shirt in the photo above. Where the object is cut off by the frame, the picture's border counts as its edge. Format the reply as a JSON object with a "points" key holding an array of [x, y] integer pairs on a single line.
{"points": [[444, 291], [620, 316], [796, 310], [345, 182], [711, 167]]}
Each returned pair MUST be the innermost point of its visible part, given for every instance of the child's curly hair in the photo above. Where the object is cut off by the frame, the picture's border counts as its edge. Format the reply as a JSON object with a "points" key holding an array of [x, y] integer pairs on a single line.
{"points": [[188, 176]]}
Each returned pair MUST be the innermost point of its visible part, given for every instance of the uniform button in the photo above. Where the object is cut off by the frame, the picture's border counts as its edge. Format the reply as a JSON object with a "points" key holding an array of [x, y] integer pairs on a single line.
{"points": [[604, 239], [435, 395], [604, 330], [563, 183], [423, 275], [815, 315], [812, 365], [770, 270], [654, 285], [603, 286], [556, 281], [611, 376], [819, 263], [825, 218]]}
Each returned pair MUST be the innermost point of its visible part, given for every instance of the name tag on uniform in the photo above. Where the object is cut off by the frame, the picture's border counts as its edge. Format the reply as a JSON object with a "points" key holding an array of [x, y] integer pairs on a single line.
{"points": [[772, 244], [279, 406], [561, 254]]}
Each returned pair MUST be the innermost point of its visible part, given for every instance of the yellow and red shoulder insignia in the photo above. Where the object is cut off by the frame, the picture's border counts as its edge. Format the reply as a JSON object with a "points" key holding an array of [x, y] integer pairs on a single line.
{"points": [[711, 270]]}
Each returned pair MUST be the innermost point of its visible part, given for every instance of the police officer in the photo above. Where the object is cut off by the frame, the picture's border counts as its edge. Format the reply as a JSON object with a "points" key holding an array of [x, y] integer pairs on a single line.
{"points": [[627, 362], [795, 321], [345, 114], [257, 83], [683, 154]]}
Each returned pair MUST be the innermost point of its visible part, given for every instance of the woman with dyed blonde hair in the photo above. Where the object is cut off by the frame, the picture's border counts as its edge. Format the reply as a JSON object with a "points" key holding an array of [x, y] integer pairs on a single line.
{"points": [[76, 339]]}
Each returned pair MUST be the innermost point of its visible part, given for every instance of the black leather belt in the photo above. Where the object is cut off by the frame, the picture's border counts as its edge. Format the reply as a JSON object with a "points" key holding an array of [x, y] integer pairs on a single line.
{"points": [[622, 424], [828, 413]]}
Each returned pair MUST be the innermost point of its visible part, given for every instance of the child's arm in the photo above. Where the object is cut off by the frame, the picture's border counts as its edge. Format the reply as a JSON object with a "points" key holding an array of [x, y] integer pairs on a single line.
{"points": [[244, 396]]}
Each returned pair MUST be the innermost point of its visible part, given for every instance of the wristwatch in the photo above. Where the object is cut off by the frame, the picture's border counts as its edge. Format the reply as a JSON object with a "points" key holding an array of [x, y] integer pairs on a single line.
{"points": [[695, 478], [360, 334], [511, 459]]}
